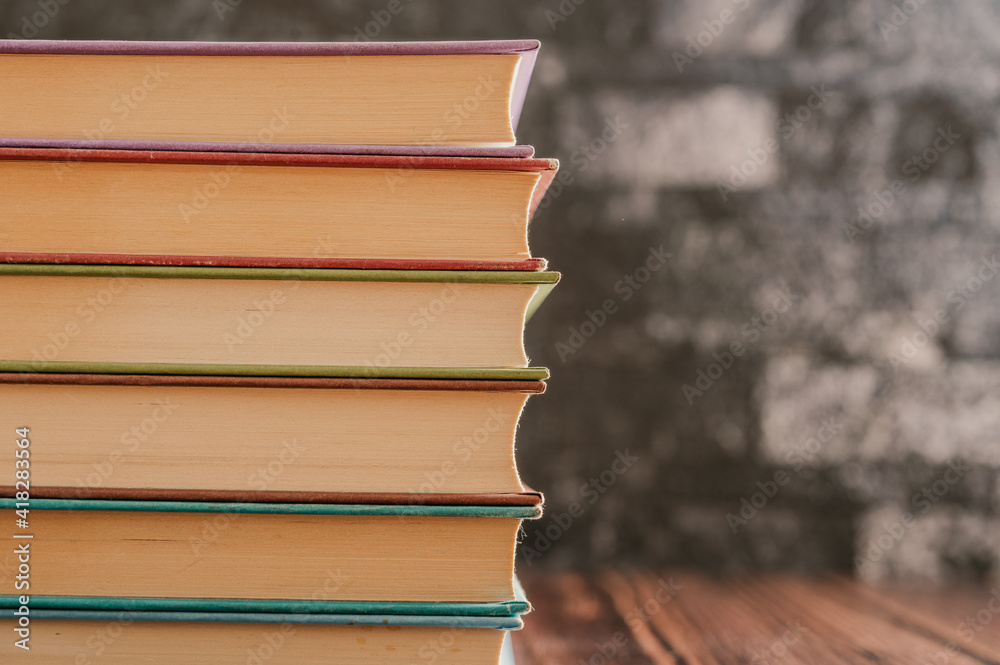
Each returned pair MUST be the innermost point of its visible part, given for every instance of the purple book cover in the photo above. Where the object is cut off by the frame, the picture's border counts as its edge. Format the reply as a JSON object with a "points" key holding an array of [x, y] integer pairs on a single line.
{"points": [[526, 48], [520, 151]]}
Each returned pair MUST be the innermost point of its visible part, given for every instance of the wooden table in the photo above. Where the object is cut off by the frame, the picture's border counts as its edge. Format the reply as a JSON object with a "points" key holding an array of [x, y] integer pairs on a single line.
{"points": [[689, 619]]}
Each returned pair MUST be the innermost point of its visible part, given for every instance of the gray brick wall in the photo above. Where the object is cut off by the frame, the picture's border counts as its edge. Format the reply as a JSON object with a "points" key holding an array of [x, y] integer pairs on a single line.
{"points": [[824, 427]]}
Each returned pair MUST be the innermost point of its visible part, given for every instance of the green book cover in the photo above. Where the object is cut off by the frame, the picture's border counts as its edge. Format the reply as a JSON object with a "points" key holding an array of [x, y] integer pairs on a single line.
{"points": [[51, 348], [304, 274]]}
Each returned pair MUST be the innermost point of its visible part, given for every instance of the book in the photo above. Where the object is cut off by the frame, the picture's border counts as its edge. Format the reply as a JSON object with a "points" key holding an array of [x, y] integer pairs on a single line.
{"points": [[263, 325], [269, 210], [197, 320], [267, 439], [420, 93], [217, 638], [268, 557]]}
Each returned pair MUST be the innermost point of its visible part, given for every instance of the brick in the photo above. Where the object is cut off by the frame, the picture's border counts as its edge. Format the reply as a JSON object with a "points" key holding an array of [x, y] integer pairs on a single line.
{"points": [[797, 397], [942, 30], [671, 140], [941, 416], [725, 27], [976, 329], [941, 545], [932, 416]]}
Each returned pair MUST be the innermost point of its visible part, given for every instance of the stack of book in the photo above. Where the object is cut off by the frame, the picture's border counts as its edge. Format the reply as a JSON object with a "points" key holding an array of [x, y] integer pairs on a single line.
{"points": [[261, 355]]}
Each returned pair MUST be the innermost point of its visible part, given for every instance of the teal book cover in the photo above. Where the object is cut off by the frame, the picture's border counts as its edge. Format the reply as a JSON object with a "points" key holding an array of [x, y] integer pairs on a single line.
{"points": [[503, 616], [271, 558]]}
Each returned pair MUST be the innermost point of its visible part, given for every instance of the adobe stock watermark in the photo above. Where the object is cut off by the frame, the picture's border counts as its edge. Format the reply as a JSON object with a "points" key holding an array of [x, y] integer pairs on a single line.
{"points": [[460, 112], [957, 298], [977, 622], [120, 108], [796, 459], [779, 648], [714, 28], [101, 639], [419, 321], [331, 586], [968, 630], [381, 18], [582, 157], [914, 167], [441, 644], [83, 315], [261, 478], [33, 23], [463, 450], [451, 121], [223, 7], [564, 10], [786, 127], [626, 287], [589, 493], [898, 17], [636, 618], [263, 308], [272, 640], [220, 179], [270, 644], [751, 331], [131, 440], [876, 548]]}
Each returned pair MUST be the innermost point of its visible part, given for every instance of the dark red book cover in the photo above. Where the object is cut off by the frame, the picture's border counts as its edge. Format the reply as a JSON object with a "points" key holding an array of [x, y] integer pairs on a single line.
{"points": [[527, 498], [486, 385]]}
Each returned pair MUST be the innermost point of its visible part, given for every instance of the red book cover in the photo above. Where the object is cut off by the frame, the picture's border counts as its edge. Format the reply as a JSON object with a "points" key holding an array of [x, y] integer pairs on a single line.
{"points": [[546, 168], [527, 498]]}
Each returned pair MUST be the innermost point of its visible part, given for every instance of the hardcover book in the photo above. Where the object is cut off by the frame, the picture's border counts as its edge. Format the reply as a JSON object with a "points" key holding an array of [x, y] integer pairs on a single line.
{"points": [[268, 439], [394, 94], [327, 558], [126, 637], [190, 320], [262, 346], [269, 210]]}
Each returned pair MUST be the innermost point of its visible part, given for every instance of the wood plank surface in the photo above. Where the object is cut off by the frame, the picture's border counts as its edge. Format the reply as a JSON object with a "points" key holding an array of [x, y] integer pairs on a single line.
{"points": [[683, 618]]}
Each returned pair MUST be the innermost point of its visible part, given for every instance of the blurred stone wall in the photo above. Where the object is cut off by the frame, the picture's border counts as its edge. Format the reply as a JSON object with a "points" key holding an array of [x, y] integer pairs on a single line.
{"points": [[776, 341]]}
